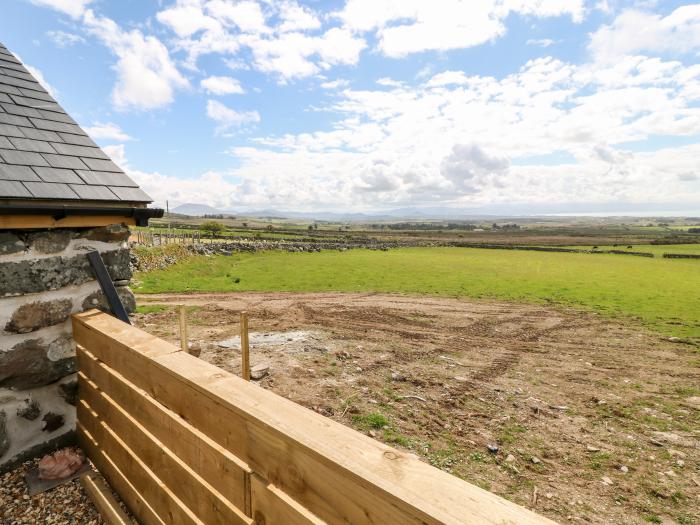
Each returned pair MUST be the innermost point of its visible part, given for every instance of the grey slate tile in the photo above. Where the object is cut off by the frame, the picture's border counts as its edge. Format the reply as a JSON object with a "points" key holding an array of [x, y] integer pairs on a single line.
{"points": [[9, 57], [5, 118], [49, 190], [35, 103], [56, 126], [130, 194], [105, 178], [10, 90], [41, 95], [32, 145], [25, 158], [5, 143], [14, 109], [12, 188], [5, 98], [102, 165], [15, 172], [11, 65], [8, 130], [40, 134], [58, 175], [80, 151], [62, 161], [16, 73], [58, 117], [98, 193], [18, 82], [80, 140]]}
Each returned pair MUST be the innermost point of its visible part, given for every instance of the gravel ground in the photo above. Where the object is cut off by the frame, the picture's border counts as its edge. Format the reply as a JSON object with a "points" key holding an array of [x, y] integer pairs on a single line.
{"points": [[67, 504]]}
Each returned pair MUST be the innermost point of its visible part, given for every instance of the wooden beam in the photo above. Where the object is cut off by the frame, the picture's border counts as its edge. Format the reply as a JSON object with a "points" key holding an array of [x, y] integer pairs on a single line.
{"points": [[20, 222], [272, 505], [201, 498], [245, 348], [101, 495], [337, 474], [212, 462], [183, 328]]}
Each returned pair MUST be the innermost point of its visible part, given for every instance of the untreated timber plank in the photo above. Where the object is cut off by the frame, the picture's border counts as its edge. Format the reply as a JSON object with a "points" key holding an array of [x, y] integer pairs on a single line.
{"points": [[216, 465], [204, 500], [272, 505], [340, 475], [126, 490], [18, 222], [103, 499], [159, 497]]}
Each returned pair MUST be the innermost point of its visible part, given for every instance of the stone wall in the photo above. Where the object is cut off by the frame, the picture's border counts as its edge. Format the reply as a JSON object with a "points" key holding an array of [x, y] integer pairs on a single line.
{"points": [[45, 277]]}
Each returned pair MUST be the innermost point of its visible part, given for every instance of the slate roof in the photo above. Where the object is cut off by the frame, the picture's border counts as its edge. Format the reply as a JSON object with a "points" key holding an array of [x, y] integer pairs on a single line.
{"points": [[45, 155]]}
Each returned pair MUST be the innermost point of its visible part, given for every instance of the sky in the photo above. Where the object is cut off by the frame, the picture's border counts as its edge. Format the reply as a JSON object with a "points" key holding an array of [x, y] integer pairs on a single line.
{"points": [[539, 106]]}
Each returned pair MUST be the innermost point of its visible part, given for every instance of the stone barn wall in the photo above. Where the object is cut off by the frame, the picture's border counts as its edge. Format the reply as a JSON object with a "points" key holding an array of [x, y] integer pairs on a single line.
{"points": [[45, 277]]}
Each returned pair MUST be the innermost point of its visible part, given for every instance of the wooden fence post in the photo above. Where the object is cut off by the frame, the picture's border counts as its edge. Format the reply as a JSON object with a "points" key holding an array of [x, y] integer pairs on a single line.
{"points": [[245, 348], [183, 329]]}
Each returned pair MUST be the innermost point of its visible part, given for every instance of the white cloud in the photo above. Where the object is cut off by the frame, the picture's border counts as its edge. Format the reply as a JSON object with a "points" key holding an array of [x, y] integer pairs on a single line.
{"points": [[335, 84], [246, 15], [146, 75], [228, 118], [413, 26], [64, 39], [222, 86], [295, 17], [469, 167], [447, 78], [636, 31], [73, 8], [107, 131], [541, 42]]}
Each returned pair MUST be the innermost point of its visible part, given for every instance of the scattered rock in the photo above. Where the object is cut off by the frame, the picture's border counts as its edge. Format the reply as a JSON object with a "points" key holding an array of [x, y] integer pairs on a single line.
{"points": [[680, 463], [676, 340], [396, 376], [561, 408], [591, 448], [52, 422], [259, 371], [510, 458], [30, 411], [535, 460], [624, 469], [606, 480], [34, 363], [492, 448], [194, 348], [671, 438], [4, 438], [50, 241], [11, 243]]}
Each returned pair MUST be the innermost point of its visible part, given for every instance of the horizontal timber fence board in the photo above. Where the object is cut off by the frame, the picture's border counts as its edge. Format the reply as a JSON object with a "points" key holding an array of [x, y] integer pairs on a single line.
{"points": [[185, 442]]}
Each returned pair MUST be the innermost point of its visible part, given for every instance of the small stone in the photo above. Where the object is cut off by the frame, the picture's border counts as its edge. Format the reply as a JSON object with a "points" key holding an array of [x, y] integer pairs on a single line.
{"points": [[259, 371], [624, 469], [591, 448], [121, 282], [39, 314], [559, 407], [358, 369], [510, 458], [492, 448], [675, 340], [680, 463], [535, 460], [460, 379], [606, 480], [396, 376]]}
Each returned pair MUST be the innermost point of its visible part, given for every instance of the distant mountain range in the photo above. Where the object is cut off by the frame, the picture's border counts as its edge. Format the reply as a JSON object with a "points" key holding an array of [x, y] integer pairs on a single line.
{"points": [[474, 213]]}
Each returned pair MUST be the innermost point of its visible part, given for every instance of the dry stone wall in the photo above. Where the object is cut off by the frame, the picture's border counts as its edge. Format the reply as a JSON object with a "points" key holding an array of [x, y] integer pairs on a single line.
{"points": [[45, 277]]}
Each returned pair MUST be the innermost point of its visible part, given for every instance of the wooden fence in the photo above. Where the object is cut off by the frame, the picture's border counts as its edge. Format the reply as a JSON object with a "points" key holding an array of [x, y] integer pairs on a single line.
{"points": [[184, 442]]}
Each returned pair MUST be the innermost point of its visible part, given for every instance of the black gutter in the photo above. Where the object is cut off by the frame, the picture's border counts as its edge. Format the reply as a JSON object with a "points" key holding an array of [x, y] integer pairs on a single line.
{"points": [[140, 215]]}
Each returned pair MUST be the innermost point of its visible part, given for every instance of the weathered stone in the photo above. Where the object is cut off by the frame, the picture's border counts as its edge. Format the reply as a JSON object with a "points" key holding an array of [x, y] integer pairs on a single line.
{"points": [[28, 364], [51, 273], [32, 316], [30, 411], [11, 243], [111, 233], [99, 301], [52, 421], [50, 241], [69, 392], [4, 438]]}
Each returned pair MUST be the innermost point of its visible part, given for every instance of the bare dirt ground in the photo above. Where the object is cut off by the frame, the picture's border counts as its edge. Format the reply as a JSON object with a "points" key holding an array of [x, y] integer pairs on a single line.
{"points": [[577, 417]]}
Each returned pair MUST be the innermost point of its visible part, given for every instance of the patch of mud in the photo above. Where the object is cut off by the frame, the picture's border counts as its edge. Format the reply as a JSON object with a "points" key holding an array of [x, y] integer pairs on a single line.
{"points": [[269, 339]]}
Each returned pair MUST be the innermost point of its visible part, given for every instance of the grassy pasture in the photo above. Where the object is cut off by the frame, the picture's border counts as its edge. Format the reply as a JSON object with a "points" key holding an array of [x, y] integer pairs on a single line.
{"points": [[657, 249], [664, 294]]}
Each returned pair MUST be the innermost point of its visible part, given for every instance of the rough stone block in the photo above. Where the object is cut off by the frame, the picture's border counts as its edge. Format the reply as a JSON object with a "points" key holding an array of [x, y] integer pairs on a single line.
{"points": [[34, 363], [52, 273], [30, 411], [39, 314], [50, 241], [11, 243], [111, 233], [99, 301], [4, 437], [69, 392]]}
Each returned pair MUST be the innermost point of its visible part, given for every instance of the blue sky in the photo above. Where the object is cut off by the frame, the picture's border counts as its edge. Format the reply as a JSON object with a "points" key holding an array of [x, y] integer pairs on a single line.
{"points": [[374, 104]]}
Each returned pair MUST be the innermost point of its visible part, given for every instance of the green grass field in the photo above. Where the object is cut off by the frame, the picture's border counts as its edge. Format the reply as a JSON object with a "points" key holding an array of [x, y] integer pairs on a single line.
{"points": [[664, 294], [657, 249]]}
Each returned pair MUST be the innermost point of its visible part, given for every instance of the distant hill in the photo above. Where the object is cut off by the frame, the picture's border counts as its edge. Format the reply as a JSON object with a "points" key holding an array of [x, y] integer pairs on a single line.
{"points": [[196, 210]]}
